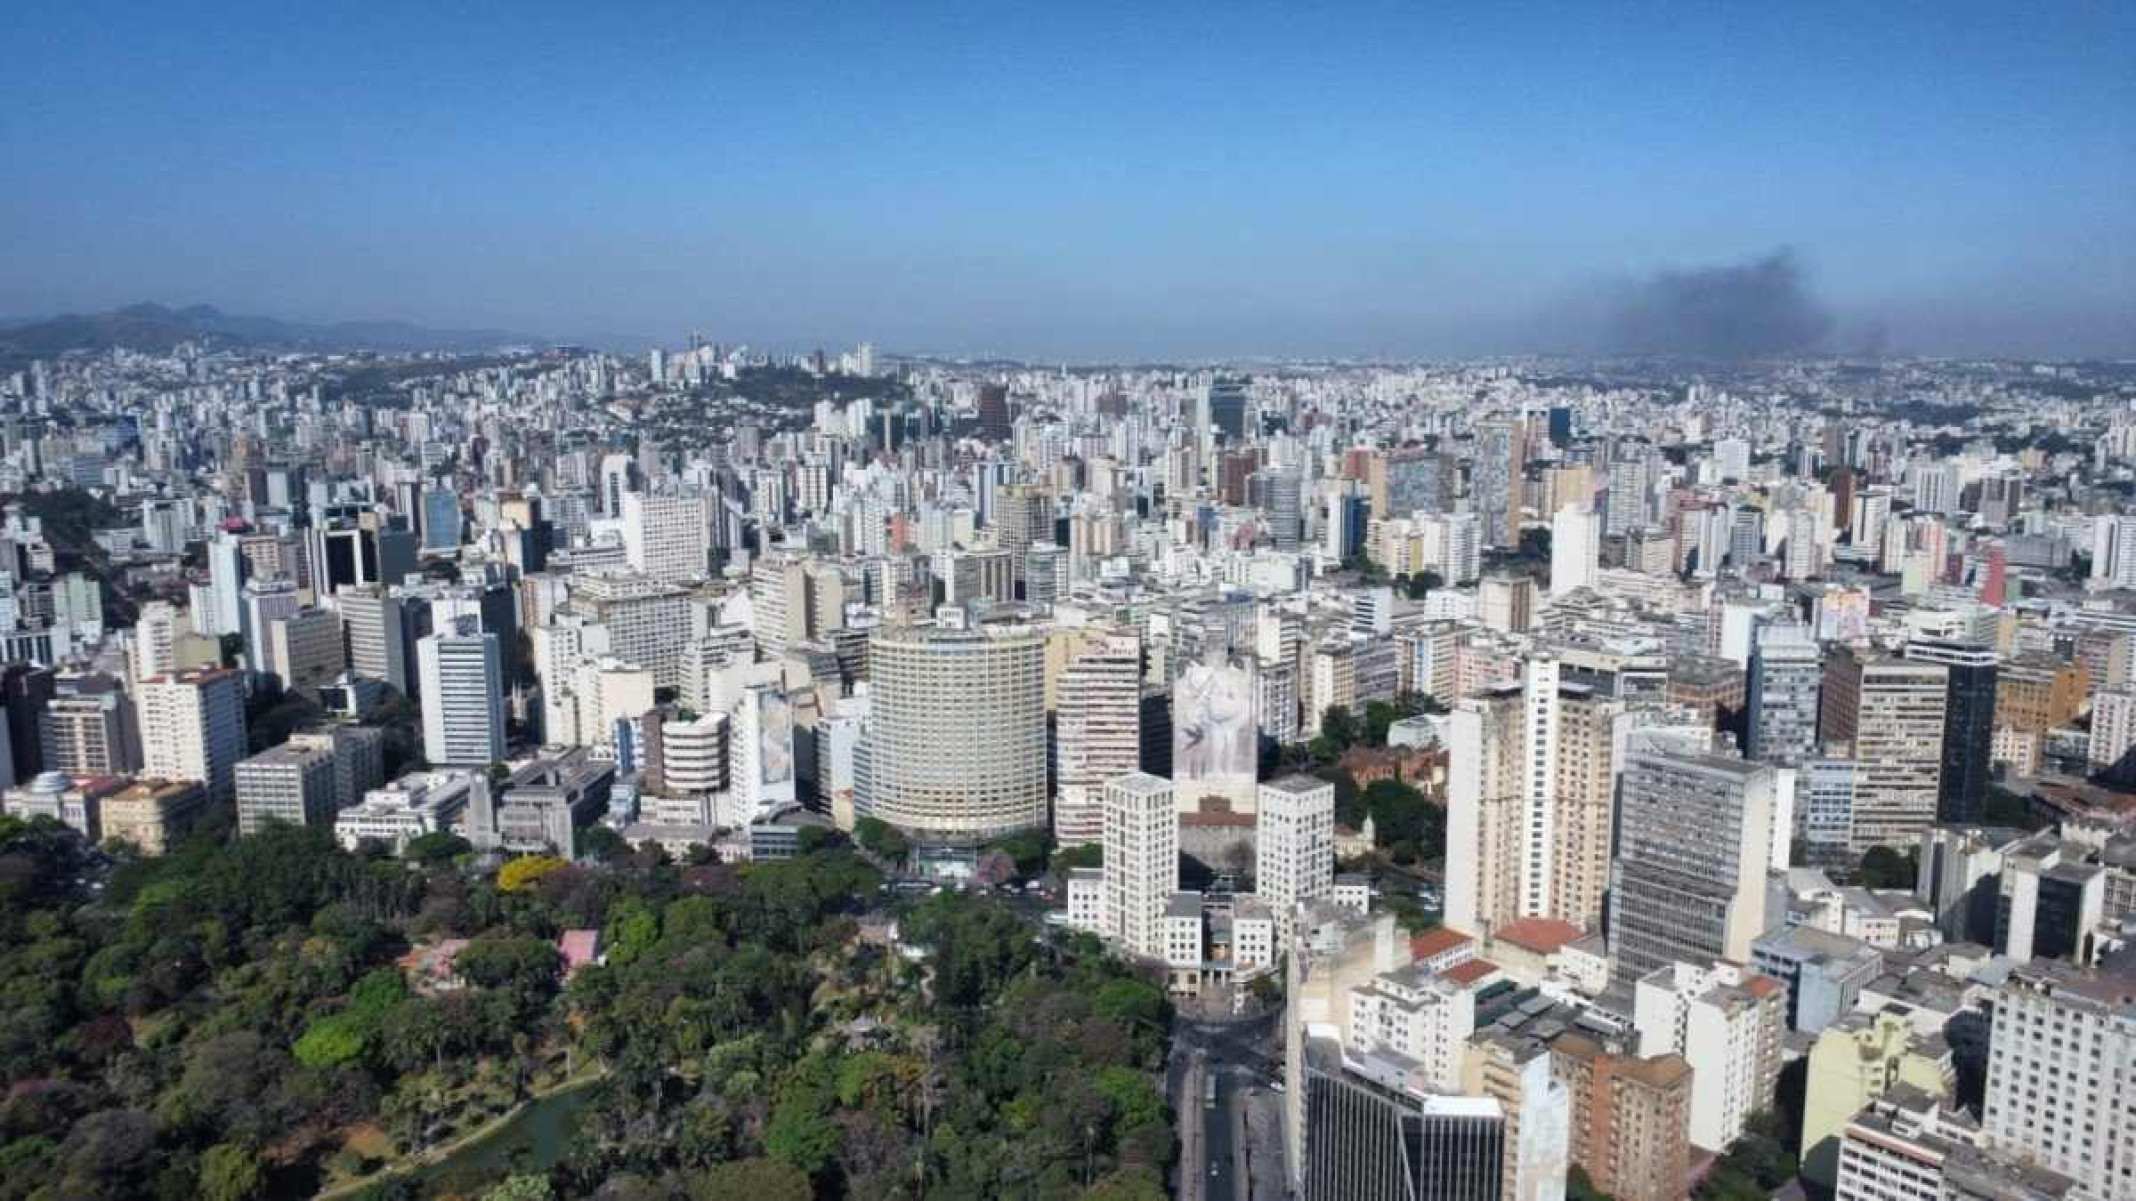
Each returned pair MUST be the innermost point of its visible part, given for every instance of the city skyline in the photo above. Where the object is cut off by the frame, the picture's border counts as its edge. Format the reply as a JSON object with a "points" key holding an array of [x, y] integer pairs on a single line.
{"points": [[1097, 185]]}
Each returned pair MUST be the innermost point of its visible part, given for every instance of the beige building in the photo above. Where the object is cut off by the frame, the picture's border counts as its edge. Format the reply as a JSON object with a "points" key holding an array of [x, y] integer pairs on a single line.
{"points": [[154, 815], [1892, 711], [1854, 1061]]}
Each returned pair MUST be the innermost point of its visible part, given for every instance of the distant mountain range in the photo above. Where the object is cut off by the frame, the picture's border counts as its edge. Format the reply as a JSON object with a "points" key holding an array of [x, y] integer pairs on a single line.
{"points": [[154, 328]]}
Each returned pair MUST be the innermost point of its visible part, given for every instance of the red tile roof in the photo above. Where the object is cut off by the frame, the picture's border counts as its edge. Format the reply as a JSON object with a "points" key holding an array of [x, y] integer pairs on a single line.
{"points": [[1474, 971], [1435, 942], [1542, 935]]}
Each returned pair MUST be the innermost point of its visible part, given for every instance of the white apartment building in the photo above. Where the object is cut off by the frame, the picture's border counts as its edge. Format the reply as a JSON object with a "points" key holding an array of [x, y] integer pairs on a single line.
{"points": [[193, 728], [1141, 865], [1726, 1021], [462, 671], [1294, 847], [2061, 1071]]}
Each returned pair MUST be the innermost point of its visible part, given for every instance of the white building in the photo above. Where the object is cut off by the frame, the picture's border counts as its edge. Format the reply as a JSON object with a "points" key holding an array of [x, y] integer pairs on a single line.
{"points": [[2061, 1070], [462, 672], [1141, 866], [418, 803], [1575, 548], [193, 728], [1726, 1021], [1294, 847], [292, 784], [668, 538], [1098, 733], [1416, 1012]]}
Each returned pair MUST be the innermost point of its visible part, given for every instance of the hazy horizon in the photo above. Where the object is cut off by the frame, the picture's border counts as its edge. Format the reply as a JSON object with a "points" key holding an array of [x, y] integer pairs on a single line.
{"points": [[1094, 183]]}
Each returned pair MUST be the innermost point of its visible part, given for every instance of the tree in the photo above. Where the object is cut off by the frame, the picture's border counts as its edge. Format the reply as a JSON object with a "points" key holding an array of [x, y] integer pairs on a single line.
{"points": [[438, 846], [230, 1173], [752, 1180], [526, 871], [1339, 731], [880, 838], [1883, 867], [601, 844], [523, 1187]]}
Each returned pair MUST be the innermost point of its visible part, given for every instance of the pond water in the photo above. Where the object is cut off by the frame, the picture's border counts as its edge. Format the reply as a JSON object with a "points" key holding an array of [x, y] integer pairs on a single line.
{"points": [[534, 1140]]}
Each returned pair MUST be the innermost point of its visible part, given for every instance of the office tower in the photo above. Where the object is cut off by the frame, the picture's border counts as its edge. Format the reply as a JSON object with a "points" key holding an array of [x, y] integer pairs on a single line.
{"points": [[1625, 495], [1045, 574], [347, 553], [1694, 840], [226, 575], [1959, 879], [618, 472], [1853, 1062], [193, 728], [156, 634], [1285, 506], [1726, 1021], [306, 648], [2113, 560], [1506, 603], [2113, 734], [995, 424], [1968, 725], [1631, 1118], [1097, 733], [1412, 480], [1495, 480], [380, 630], [955, 745], [1575, 549], [689, 757], [1023, 515], [1224, 410], [648, 622], [265, 601], [1872, 512], [293, 784], [89, 732], [778, 602], [462, 672], [2049, 903], [1370, 1135], [1746, 538], [443, 525], [1141, 841], [1892, 712], [2061, 1059], [1731, 458], [359, 754], [667, 538], [1786, 673], [1294, 847]]}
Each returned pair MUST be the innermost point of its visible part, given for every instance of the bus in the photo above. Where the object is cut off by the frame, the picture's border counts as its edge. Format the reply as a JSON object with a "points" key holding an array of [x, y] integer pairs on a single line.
{"points": [[1209, 1091]]}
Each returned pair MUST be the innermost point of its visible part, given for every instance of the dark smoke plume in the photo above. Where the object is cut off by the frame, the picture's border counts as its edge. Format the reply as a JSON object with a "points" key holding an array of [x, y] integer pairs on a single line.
{"points": [[1740, 311]]}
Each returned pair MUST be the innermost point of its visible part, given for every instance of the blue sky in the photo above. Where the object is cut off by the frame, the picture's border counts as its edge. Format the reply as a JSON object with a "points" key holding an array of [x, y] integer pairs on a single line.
{"points": [[1078, 180]]}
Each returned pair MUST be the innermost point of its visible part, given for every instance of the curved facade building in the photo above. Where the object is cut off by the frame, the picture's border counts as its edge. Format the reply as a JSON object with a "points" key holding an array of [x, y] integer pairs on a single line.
{"points": [[955, 747]]}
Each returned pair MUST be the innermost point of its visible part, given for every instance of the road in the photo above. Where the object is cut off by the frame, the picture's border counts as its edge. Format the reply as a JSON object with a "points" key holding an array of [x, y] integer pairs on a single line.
{"points": [[1220, 1160]]}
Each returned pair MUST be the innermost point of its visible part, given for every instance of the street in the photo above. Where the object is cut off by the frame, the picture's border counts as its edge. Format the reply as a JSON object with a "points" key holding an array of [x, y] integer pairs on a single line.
{"points": [[1223, 1155]]}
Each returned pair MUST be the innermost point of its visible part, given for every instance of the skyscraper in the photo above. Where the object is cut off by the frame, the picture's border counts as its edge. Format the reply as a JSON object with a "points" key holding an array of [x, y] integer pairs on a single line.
{"points": [[1694, 841], [1575, 549], [1968, 725], [1294, 847], [1786, 673], [462, 672], [668, 538], [1097, 733], [1141, 833], [954, 750], [1892, 712], [193, 728]]}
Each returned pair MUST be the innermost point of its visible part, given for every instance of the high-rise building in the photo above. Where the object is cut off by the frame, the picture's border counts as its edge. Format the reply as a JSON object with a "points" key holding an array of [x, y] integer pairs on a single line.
{"points": [[1294, 847], [1786, 672], [2061, 1067], [667, 538], [156, 634], [193, 728], [1531, 781], [1968, 725], [226, 576], [306, 648], [443, 524], [1892, 713], [955, 745], [1496, 480], [462, 673], [90, 732], [1631, 1118], [380, 630], [1372, 1135], [1694, 841], [1726, 1021], [778, 602], [1097, 733], [266, 600], [1141, 841], [293, 784], [1575, 549]]}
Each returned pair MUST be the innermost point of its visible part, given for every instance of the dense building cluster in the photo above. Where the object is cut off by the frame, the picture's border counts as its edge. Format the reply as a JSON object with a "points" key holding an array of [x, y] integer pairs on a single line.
{"points": [[1781, 720]]}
